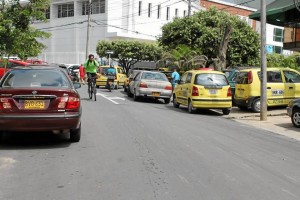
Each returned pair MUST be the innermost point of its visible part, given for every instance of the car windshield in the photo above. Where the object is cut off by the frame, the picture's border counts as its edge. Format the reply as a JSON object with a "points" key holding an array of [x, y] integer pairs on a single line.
{"points": [[36, 78], [210, 79], [154, 76]]}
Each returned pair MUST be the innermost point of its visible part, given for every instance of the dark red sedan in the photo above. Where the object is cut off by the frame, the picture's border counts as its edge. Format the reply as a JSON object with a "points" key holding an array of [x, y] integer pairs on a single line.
{"points": [[39, 98]]}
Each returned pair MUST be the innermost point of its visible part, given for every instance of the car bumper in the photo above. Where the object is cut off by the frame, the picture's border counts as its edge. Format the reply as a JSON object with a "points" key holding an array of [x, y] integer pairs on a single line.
{"points": [[212, 103], [244, 102], [39, 122], [148, 92]]}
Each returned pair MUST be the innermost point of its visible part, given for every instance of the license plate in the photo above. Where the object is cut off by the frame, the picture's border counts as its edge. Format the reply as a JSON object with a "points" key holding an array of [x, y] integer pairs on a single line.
{"points": [[34, 104], [212, 91], [155, 94]]}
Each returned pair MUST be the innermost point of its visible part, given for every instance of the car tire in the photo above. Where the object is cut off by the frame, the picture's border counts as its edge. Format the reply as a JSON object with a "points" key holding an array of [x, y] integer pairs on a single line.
{"points": [[296, 117], [175, 103], [226, 111], [256, 105], [135, 98], [97, 86], [75, 134], [167, 100], [191, 109], [129, 94], [125, 89]]}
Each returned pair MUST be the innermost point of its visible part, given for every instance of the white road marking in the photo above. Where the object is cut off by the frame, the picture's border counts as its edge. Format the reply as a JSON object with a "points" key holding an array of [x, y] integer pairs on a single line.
{"points": [[6, 162], [111, 98]]}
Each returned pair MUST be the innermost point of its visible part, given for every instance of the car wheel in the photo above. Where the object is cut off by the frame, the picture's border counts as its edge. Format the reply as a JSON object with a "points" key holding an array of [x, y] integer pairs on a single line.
{"points": [[175, 103], [226, 111], [75, 134], [296, 117], [129, 94], [167, 100], [191, 109], [135, 98], [256, 105]]}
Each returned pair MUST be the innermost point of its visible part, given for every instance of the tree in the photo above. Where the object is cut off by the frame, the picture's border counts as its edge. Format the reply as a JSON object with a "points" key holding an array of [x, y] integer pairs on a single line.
{"points": [[215, 34], [127, 53], [17, 37]]}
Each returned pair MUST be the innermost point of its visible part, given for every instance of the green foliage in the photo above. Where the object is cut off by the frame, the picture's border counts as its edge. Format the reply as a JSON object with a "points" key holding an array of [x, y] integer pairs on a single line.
{"points": [[279, 60], [17, 37], [203, 32], [128, 52]]}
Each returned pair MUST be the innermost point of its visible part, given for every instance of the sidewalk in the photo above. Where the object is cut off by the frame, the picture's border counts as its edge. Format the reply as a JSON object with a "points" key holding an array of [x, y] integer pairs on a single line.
{"points": [[277, 121]]}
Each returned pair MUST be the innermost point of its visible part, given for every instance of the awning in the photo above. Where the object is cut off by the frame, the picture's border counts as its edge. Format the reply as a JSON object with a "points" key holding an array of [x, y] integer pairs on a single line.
{"points": [[279, 13]]}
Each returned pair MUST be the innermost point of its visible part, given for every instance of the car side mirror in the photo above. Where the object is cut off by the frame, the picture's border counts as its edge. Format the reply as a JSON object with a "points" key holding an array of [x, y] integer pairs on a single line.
{"points": [[77, 85]]}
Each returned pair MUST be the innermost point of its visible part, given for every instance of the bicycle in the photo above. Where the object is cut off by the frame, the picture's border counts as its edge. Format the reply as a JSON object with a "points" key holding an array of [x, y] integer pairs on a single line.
{"points": [[92, 87]]}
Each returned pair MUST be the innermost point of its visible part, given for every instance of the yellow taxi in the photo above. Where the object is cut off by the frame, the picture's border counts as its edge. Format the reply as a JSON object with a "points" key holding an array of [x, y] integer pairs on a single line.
{"points": [[119, 81], [283, 85], [203, 89]]}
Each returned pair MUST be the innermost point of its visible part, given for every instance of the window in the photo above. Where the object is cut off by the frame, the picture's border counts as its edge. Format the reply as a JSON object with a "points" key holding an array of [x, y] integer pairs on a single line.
{"points": [[274, 77], [140, 8], [65, 10], [176, 12], [97, 7], [149, 9], [184, 13], [158, 11], [277, 49], [189, 78], [47, 13], [291, 77], [215, 80], [183, 78], [168, 13], [278, 35]]}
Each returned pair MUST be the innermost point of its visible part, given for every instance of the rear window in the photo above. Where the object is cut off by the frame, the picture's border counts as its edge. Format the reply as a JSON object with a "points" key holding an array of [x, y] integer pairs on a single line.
{"points": [[36, 78], [211, 80], [242, 78], [154, 76], [104, 70]]}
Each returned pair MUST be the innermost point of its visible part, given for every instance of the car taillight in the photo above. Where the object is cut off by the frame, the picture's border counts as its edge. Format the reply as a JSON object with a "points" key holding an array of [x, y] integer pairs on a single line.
{"points": [[168, 87], [5, 104], [195, 91], [69, 103], [250, 77], [73, 103], [143, 85], [229, 94]]}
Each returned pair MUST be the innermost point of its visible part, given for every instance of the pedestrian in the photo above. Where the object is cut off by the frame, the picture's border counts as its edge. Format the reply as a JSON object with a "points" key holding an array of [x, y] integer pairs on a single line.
{"points": [[175, 78], [81, 74]]}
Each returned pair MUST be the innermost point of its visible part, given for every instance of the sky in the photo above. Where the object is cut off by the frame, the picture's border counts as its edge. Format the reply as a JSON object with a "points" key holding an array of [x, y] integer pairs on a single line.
{"points": [[249, 3]]}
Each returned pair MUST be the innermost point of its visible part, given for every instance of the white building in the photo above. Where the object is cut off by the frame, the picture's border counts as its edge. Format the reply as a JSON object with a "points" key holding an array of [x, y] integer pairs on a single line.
{"points": [[110, 20]]}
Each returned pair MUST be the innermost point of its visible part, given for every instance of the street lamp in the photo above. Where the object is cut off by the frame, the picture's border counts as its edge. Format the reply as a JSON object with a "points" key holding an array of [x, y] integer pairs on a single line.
{"points": [[109, 52]]}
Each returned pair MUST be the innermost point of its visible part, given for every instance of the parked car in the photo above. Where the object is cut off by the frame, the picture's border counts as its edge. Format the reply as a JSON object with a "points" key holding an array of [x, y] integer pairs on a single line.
{"points": [[150, 84], [283, 85], [10, 64], [40, 98], [293, 111], [119, 80], [73, 68], [35, 61], [203, 89], [133, 73]]}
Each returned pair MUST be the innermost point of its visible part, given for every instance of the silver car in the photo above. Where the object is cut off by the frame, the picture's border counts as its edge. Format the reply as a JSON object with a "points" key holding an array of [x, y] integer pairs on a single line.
{"points": [[150, 84]]}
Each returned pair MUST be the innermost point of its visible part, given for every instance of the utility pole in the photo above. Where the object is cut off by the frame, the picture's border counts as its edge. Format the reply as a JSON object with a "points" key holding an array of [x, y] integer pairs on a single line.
{"points": [[189, 8], [263, 83], [88, 29]]}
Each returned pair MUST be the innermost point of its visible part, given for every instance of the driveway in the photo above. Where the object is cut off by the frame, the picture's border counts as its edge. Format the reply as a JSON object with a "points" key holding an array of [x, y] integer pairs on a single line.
{"points": [[277, 121]]}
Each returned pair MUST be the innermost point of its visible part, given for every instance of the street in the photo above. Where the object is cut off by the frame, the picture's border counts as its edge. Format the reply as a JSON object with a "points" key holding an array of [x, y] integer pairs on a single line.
{"points": [[148, 150]]}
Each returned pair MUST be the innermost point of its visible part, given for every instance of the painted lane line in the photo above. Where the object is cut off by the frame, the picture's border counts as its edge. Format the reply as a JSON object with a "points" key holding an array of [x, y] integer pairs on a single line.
{"points": [[106, 97]]}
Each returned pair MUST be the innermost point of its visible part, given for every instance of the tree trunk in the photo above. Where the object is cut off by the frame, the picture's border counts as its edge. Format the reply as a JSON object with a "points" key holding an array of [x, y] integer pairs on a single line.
{"points": [[223, 48]]}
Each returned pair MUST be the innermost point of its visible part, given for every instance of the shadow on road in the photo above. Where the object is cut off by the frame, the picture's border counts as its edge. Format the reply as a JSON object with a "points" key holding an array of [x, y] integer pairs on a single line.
{"points": [[25, 140]]}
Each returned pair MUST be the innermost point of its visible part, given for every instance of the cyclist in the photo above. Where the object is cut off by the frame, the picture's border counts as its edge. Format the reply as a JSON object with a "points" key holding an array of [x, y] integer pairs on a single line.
{"points": [[111, 71], [91, 67]]}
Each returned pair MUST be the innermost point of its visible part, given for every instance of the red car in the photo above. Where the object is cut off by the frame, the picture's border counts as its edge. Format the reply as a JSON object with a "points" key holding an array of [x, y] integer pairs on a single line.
{"points": [[11, 64], [39, 98]]}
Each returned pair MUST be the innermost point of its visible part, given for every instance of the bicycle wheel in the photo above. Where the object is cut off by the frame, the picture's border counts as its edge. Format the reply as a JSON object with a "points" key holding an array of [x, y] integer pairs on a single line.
{"points": [[95, 91], [90, 91]]}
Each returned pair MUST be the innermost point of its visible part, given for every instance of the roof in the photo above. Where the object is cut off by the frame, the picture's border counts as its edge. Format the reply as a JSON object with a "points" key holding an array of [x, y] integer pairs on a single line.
{"points": [[252, 4], [279, 12]]}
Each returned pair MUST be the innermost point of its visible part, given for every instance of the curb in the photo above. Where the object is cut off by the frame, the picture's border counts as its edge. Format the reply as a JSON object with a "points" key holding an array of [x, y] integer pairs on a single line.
{"points": [[255, 115]]}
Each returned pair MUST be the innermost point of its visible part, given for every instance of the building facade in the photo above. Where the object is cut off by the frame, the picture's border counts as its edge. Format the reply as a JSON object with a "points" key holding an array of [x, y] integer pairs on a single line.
{"points": [[110, 20]]}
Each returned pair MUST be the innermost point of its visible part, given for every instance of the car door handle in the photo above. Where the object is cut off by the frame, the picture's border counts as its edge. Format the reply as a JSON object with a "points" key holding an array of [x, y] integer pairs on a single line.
{"points": [[291, 87], [268, 87]]}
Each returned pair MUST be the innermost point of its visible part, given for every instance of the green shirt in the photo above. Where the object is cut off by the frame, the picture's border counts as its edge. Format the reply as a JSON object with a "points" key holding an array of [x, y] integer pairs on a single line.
{"points": [[91, 66]]}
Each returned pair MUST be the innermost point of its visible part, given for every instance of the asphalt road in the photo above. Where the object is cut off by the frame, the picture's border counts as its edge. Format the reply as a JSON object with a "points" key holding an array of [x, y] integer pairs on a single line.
{"points": [[150, 151]]}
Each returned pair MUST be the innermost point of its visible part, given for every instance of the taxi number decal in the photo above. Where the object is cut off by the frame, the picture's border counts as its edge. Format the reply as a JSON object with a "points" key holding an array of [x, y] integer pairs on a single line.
{"points": [[277, 92]]}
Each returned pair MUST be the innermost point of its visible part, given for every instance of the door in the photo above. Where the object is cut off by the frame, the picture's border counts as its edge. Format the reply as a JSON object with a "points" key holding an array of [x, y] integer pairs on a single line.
{"points": [[275, 88], [178, 89], [292, 82]]}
